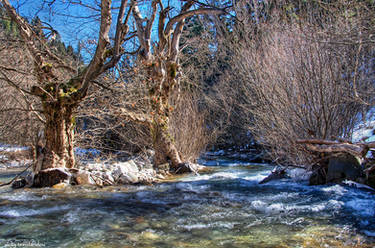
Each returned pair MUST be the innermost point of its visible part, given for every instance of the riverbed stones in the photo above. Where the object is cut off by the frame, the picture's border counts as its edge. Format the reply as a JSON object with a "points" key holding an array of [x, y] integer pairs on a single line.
{"points": [[163, 168], [107, 178], [141, 226], [150, 235], [129, 168]]}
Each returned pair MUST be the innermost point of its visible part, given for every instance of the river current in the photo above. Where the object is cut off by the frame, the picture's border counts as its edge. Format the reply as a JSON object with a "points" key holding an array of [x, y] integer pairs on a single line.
{"points": [[223, 208]]}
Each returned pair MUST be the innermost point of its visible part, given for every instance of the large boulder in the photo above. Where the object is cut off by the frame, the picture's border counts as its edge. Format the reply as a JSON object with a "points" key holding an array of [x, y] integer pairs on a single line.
{"points": [[126, 173], [343, 166], [50, 177]]}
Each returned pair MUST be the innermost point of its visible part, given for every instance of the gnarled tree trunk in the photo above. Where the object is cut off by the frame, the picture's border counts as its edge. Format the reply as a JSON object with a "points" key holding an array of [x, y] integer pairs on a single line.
{"points": [[59, 135], [165, 150], [58, 153]]}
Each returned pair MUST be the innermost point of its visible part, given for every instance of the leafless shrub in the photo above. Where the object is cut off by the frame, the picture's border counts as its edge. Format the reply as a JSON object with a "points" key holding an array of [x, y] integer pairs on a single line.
{"points": [[188, 127], [100, 126], [19, 122], [297, 85]]}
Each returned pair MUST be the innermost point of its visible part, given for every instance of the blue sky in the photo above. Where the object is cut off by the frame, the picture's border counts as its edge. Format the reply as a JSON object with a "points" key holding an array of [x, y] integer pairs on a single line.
{"points": [[66, 19], [72, 21]]}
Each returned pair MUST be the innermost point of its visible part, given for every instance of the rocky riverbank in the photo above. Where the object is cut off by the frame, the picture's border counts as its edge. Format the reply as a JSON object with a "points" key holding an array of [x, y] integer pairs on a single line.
{"points": [[137, 170]]}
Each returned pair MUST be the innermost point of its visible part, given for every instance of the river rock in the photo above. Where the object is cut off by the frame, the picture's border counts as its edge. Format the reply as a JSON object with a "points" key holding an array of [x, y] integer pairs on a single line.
{"points": [[150, 235], [50, 177], [276, 173], [128, 178], [84, 177], [62, 185], [164, 168], [97, 177], [188, 167], [126, 172], [343, 166], [140, 226], [19, 183], [107, 178]]}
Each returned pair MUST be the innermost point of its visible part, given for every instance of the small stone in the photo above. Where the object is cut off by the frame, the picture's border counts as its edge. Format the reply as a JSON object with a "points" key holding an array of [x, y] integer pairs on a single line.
{"points": [[115, 226], [159, 176], [84, 177], [60, 185], [141, 226], [128, 178], [95, 245], [150, 235]]}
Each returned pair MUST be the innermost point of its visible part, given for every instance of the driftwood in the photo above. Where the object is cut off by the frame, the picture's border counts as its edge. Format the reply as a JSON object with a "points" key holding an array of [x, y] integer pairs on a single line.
{"points": [[327, 146], [277, 173], [17, 176]]}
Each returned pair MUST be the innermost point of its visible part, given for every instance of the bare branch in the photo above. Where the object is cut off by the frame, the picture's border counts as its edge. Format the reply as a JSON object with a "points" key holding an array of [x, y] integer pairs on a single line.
{"points": [[95, 67]]}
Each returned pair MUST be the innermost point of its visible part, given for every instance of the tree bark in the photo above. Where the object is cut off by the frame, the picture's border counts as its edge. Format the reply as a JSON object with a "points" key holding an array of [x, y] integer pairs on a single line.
{"points": [[165, 150], [59, 136]]}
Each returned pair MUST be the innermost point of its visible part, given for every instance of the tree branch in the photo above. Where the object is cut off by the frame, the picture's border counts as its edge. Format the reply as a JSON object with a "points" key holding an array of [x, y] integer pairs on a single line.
{"points": [[95, 68]]}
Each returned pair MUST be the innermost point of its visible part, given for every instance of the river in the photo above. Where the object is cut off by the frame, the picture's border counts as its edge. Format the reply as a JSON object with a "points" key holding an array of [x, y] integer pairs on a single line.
{"points": [[223, 208]]}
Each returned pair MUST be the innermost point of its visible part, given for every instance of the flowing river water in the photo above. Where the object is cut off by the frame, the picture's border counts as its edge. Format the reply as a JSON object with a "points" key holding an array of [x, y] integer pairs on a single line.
{"points": [[223, 208]]}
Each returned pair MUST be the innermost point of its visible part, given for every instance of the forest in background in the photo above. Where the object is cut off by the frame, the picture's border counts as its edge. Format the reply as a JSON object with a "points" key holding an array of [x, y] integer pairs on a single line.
{"points": [[268, 72]]}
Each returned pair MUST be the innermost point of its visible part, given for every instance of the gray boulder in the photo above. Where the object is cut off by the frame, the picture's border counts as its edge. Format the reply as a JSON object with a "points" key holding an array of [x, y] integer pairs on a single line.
{"points": [[343, 166]]}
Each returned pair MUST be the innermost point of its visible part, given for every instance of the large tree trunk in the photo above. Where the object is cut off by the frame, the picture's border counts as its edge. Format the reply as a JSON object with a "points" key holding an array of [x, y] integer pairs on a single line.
{"points": [[59, 136], [165, 150]]}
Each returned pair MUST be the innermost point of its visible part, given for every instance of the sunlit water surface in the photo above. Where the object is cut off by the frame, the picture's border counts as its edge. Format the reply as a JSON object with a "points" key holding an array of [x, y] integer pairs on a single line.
{"points": [[224, 208]]}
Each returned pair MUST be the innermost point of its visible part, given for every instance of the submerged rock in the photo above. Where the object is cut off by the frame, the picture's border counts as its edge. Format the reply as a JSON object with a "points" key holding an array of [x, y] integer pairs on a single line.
{"points": [[150, 235]]}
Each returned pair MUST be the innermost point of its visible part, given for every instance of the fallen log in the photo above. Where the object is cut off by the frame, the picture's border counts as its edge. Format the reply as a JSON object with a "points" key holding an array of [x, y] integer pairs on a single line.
{"points": [[327, 146], [316, 141]]}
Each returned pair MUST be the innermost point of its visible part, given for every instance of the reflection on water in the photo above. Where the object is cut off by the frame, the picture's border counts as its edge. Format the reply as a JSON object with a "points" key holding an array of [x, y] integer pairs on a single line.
{"points": [[226, 208]]}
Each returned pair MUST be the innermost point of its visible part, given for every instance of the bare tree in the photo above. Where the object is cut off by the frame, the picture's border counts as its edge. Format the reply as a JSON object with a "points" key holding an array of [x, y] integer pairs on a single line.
{"points": [[19, 118], [61, 86], [160, 60]]}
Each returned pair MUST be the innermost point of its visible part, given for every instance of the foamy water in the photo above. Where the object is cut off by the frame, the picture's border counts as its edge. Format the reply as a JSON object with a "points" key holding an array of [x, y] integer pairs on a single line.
{"points": [[227, 206]]}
